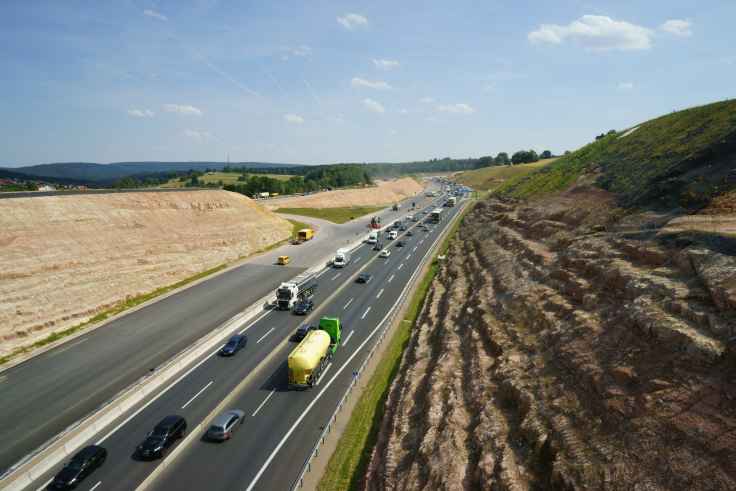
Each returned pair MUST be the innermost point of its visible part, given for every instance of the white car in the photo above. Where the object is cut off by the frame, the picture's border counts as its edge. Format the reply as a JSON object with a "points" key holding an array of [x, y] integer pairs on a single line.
{"points": [[385, 253], [393, 234]]}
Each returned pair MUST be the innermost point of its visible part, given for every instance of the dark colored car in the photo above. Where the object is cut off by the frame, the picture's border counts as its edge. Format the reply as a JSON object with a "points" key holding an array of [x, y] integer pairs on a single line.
{"points": [[223, 427], [80, 466], [400, 243], [409, 233], [234, 344], [302, 332], [402, 228], [364, 278], [164, 434], [303, 307], [378, 246]]}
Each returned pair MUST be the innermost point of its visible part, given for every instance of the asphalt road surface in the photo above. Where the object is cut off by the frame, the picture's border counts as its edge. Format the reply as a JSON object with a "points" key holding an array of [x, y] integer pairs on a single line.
{"points": [[46, 394], [281, 426]]}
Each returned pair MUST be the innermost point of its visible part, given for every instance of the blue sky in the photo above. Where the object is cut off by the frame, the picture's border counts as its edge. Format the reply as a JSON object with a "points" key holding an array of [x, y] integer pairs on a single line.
{"points": [[321, 82]]}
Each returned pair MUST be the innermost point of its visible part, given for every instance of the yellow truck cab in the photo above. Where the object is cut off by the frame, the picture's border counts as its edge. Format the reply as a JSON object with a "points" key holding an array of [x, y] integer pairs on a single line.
{"points": [[283, 260]]}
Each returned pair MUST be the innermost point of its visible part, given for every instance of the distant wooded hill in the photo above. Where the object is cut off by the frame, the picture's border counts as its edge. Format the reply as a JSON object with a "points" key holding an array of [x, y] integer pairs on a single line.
{"points": [[153, 173], [106, 174]]}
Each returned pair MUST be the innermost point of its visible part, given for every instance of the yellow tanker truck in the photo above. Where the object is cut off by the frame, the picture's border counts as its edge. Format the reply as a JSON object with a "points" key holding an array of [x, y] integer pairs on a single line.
{"points": [[308, 360]]}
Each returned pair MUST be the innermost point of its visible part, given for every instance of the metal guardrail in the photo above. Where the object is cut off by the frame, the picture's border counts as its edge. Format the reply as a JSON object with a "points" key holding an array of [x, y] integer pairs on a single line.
{"points": [[387, 322]]}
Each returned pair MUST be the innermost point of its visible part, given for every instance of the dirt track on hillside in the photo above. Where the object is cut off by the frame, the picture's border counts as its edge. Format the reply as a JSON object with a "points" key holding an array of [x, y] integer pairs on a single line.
{"points": [[65, 258], [556, 352], [384, 193]]}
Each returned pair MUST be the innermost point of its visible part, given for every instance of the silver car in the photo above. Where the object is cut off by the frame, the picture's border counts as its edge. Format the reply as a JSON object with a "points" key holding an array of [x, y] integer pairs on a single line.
{"points": [[223, 426]]}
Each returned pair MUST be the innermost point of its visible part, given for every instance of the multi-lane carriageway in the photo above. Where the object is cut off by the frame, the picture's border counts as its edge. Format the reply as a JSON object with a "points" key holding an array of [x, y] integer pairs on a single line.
{"points": [[280, 426]]}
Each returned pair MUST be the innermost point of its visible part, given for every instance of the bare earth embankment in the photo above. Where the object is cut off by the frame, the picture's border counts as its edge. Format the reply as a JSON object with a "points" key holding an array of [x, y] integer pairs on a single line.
{"points": [[581, 333], [384, 193], [556, 350], [64, 259]]}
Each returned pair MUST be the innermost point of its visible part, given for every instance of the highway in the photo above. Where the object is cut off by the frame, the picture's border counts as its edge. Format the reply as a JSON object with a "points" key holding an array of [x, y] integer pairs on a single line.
{"points": [[280, 426], [47, 393]]}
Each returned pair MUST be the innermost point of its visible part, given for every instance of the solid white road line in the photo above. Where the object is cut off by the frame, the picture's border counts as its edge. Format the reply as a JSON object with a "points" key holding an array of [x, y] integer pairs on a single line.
{"points": [[95, 486], [264, 336], [365, 313], [400, 266], [380, 293], [390, 278], [348, 338], [197, 394], [323, 272], [336, 276], [263, 403], [348, 304], [327, 369]]}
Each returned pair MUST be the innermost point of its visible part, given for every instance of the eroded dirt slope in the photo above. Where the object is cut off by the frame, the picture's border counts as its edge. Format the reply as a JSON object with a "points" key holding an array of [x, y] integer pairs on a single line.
{"points": [[384, 193], [65, 258], [560, 349]]}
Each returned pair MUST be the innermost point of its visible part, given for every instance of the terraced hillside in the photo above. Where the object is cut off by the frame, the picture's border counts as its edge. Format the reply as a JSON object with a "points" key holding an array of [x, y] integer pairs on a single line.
{"points": [[573, 341], [65, 259]]}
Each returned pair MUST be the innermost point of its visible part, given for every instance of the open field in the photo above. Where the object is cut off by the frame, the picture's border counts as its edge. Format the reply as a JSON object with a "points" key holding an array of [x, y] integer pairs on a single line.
{"points": [[335, 215], [489, 178], [66, 260], [225, 177], [384, 193]]}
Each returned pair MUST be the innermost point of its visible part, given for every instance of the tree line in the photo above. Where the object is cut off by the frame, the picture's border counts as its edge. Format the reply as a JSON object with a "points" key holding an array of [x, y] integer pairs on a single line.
{"points": [[315, 179]]}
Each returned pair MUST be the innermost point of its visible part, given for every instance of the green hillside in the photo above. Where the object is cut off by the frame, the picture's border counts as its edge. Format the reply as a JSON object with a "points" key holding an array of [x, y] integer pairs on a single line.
{"points": [[681, 159], [489, 178]]}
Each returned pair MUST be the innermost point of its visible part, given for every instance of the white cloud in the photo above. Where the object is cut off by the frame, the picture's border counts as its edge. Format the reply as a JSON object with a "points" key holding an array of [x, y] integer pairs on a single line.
{"points": [[155, 15], [596, 33], [182, 109], [426, 100], [301, 51], [374, 106], [293, 118], [198, 136], [358, 83], [677, 27], [456, 108], [403, 111], [351, 21], [141, 113], [625, 86], [386, 64]]}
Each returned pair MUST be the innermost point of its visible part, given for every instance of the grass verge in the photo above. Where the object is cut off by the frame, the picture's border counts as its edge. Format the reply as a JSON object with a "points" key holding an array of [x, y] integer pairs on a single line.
{"points": [[348, 463], [335, 215], [121, 306], [136, 300]]}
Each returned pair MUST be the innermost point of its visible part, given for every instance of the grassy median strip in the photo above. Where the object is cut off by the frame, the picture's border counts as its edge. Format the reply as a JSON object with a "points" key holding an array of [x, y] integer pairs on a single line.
{"points": [[348, 463], [335, 215]]}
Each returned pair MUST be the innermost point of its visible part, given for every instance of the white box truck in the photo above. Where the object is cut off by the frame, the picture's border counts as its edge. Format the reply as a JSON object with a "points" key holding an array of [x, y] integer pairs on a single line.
{"points": [[342, 258]]}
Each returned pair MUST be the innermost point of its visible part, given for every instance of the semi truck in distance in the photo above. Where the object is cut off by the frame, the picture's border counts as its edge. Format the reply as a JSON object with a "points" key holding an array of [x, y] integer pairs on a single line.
{"points": [[309, 359], [451, 201], [372, 237], [290, 292], [435, 215], [342, 258]]}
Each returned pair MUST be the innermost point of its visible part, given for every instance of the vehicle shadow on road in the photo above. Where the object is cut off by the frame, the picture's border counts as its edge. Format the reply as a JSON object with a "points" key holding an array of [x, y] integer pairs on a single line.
{"points": [[279, 379]]}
